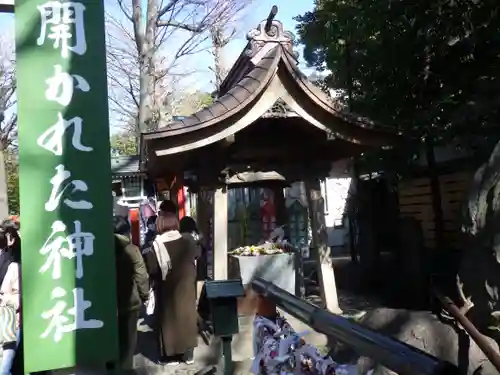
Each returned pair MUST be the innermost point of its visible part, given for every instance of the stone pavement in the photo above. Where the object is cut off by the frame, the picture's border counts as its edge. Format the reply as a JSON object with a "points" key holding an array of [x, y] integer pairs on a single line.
{"points": [[206, 355]]}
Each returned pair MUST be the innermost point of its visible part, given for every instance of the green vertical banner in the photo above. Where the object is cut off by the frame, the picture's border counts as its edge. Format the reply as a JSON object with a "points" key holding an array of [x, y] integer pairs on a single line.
{"points": [[68, 266]]}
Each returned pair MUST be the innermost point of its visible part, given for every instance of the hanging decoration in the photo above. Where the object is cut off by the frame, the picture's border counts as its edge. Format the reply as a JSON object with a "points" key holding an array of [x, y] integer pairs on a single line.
{"points": [[278, 349]]}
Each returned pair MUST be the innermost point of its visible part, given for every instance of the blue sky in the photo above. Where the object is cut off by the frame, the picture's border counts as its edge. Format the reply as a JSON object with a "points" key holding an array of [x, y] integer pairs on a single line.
{"points": [[252, 16], [256, 12], [287, 9]]}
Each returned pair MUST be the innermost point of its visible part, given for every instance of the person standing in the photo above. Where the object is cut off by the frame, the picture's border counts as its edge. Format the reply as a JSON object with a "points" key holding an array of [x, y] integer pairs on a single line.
{"points": [[168, 207], [132, 286], [10, 290], [188, 227], [174, 276], [5, 255], [165, 207]]}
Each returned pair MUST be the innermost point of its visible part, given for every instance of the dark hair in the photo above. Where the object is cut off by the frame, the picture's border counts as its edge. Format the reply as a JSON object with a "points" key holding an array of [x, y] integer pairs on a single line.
{"points": [[188, 225], [166, 221], [11, 228], [168, 206], [9, 223], [121, 225], [3, 239]]}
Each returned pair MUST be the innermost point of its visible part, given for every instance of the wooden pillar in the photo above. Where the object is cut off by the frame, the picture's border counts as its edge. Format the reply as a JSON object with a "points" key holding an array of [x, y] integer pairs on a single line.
{"points": [[203, 222], [178, 196], [279, 204], [220, 233], [202, 218], [322, 254], [135, 230], [266, 308]]}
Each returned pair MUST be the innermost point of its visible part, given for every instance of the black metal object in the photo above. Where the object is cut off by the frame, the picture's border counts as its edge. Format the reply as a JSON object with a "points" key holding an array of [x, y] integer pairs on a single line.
{"points": [[270, 18], [223, 295], [395, 355]]}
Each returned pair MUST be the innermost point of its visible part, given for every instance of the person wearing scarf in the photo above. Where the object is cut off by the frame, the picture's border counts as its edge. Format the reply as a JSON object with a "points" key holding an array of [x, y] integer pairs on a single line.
{"points": [[10, 296], [174, 275]]}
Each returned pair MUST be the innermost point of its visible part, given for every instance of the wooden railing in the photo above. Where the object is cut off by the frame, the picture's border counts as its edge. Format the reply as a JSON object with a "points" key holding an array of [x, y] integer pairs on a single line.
{"points": [[393, 354], [480, 340]]}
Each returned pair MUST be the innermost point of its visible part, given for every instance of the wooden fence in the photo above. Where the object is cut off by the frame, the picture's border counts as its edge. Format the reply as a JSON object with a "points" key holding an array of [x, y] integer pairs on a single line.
{"points": [[415, 200]]}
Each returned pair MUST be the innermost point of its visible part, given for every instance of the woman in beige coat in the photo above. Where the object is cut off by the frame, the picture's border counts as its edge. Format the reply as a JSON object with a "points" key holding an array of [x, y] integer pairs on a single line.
{"points": [[174, 275]]}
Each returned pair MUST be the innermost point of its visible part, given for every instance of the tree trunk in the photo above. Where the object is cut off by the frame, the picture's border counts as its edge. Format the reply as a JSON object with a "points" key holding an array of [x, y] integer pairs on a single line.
{"points": [[144, 33], [217, 39], [322, 253]]}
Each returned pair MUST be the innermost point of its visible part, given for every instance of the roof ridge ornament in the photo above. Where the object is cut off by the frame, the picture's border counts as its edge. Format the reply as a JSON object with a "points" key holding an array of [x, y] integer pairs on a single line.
{"points": [[266, 35]]}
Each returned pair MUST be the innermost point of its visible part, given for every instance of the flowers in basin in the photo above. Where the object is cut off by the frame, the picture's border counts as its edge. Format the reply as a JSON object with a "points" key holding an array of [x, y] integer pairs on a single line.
{"points": [[267, 248]]}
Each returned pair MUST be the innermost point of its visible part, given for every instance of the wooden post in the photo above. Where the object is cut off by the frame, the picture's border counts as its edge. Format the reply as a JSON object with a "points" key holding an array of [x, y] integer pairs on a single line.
{"points": [[202, 218], [279, 204], [203, 221], [322, 254], [135, 232], [220, 233], [178, 195], [266, 308]]}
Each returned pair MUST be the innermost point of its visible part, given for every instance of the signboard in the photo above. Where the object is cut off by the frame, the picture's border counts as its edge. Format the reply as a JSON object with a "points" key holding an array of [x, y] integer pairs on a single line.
{"points": [[68, 267]]}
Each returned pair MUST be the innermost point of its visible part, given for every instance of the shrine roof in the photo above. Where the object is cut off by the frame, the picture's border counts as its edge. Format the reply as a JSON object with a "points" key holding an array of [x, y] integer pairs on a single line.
{"points": [[125, 165], [231, 102], [267, 58]]}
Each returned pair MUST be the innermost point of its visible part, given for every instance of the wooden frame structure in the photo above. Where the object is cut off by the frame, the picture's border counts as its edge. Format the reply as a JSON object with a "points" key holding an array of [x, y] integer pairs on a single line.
{"points": [[268, 118]]}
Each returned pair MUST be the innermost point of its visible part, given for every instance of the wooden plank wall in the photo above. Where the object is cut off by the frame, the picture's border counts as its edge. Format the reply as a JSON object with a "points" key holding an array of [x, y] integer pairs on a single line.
{"points": [[415, 200]]}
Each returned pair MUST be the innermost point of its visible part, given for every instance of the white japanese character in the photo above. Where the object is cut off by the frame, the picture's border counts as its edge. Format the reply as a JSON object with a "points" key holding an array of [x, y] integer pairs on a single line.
{"points": [[58, 190], [59, 246], [58, 17], [52, 139], [61, 86], [60, 323]]}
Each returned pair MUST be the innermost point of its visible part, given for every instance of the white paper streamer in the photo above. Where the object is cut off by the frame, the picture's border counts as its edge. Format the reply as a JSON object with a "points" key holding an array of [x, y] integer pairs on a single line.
{"points": [[279, 350]]}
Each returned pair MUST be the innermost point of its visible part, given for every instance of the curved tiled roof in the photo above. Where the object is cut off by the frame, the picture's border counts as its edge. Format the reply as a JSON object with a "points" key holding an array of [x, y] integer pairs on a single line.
{"points": [[264, 55], [241, 94]]}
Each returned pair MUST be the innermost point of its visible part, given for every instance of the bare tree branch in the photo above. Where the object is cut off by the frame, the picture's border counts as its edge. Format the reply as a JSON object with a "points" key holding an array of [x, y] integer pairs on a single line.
{"points": [[8, 117], [148, 50], [179, 25]]}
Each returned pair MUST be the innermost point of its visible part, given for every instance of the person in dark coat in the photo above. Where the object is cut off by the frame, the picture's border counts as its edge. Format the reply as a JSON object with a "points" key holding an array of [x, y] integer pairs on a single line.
{"points": [[168, 207], [188, 227], [132, 286], [5, 255], [174, 277]]}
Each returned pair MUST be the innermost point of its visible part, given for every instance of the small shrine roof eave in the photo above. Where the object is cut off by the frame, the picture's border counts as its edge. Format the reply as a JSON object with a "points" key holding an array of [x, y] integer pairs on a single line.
{"points": [[243, 96], [272, 59], [235, 100]]}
